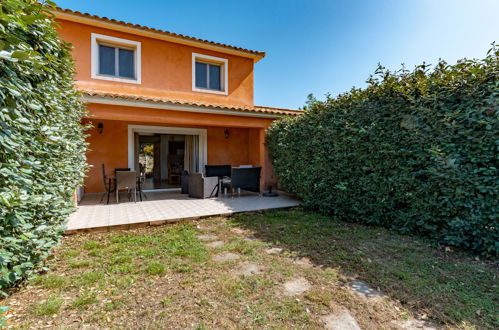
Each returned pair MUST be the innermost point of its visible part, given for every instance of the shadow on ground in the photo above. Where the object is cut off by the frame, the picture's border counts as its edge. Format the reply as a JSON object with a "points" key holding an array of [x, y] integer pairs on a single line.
{"points": [[450, 287]]}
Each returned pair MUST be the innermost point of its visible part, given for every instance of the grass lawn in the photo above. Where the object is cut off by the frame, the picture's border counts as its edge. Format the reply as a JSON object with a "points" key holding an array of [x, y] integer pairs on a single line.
{"points": [[223, 273]]}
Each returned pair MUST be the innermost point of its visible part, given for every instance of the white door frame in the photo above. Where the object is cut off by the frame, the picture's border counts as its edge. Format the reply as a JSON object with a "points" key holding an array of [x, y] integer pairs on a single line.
{"points": [[203, 145]]}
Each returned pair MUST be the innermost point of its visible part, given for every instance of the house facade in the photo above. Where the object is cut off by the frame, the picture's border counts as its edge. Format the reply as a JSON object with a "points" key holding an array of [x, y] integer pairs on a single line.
{"points": [[165, 101]]}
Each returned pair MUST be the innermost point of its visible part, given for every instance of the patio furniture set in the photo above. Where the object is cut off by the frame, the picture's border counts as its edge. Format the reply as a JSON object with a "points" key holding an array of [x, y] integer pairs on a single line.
{"points": [[217, 180]]}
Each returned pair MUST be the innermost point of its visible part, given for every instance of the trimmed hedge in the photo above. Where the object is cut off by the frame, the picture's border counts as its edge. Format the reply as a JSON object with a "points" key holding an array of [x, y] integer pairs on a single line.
{"points": [[42, 154], [416, 151]]}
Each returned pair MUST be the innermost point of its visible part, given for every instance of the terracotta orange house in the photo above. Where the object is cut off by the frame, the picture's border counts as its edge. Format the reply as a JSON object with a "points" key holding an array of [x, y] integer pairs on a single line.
{"points": [[190, 100]]}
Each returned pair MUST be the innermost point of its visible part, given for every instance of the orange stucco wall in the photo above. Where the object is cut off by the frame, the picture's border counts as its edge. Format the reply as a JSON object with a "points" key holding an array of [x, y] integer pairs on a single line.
{"points": [[111, 148], [166, 68]]}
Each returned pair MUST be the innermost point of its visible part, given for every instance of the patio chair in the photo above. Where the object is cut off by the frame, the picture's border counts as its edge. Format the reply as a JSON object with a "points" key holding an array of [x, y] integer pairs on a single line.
{"points": [[246, 178], [201, 186], [126, 180], [218, 170], [141, 177], [108, 184]]}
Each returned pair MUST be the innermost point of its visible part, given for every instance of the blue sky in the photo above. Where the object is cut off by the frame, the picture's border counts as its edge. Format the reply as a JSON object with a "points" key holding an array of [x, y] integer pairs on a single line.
{"points": [[320, 46]]}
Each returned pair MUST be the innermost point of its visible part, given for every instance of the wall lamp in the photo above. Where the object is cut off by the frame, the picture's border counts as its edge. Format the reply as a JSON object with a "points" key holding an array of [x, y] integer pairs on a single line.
{"points": [[100, 127], [226, 133]]}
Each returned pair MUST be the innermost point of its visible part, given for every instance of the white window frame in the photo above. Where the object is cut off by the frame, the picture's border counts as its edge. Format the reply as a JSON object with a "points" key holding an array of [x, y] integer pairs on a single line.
{"points": [[224, 67], [115, 42]]}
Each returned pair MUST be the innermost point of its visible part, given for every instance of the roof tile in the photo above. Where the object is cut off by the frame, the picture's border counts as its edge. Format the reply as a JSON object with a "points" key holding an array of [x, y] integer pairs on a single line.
{"points": [[167, 33], [215, 107]]}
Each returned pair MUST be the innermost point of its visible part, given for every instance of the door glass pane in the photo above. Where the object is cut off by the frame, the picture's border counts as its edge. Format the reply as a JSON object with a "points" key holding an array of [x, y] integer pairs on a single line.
{"points": [[126, 65], [106, 60], [215, 71], [201, 75]]}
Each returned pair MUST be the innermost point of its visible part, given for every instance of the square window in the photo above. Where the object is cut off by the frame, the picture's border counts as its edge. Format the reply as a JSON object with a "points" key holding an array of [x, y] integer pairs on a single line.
{"points": [[209, 74], [115, 59]]}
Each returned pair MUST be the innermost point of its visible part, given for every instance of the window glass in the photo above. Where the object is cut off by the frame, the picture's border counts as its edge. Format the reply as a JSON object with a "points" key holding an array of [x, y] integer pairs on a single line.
{"points": [[201, 75], [126, 65], [215, 82], [106, 60]]}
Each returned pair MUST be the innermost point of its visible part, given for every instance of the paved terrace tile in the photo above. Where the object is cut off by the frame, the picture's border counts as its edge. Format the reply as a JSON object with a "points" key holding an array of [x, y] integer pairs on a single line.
{"points": [[165, 206]]}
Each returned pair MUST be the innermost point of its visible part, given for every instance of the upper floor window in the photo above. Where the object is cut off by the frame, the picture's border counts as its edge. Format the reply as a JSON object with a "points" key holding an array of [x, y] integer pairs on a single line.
{"points": [[116, 59], [209, 74]]}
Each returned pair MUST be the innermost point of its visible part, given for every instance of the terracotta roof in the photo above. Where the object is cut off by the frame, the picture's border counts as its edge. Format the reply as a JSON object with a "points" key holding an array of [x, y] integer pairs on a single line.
{"points": [[163, 32], [214, 107]]}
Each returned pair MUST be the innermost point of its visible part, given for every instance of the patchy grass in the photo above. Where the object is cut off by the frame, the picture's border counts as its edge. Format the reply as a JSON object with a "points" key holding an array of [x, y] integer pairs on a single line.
{"points": [[149, 277], [49, 306], [49, 281], [242, 246], [451, 287], [91, 245], [72, 264], [155, 268], [68, 254], [85, 299], [90, 278], [115, 304], [166, 302]]}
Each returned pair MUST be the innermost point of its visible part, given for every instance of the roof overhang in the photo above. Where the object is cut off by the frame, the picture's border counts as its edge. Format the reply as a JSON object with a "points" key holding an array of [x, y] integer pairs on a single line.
{"points": [[150, 33], [175, 107]]}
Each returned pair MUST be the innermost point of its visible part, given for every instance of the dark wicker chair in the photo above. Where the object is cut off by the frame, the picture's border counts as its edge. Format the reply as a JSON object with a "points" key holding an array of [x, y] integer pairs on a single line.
{"points": [[246, 178], [218, 170]]}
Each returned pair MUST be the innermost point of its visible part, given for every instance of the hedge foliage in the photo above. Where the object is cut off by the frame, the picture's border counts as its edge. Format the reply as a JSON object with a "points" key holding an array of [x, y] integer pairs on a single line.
{"points": [[416, 151], [42, 154]]}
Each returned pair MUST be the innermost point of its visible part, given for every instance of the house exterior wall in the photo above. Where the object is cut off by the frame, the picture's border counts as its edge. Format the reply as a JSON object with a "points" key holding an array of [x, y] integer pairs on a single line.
{"points": [[111, 148], [166, 68]]}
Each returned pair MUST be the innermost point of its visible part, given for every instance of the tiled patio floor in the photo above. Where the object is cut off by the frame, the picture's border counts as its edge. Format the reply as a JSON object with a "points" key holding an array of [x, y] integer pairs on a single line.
{"points": [[159, 207]]}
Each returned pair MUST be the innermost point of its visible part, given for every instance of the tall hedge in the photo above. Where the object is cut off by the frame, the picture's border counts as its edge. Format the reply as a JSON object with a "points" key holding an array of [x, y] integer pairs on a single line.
{"points": [[416, 151], [42, 148]]}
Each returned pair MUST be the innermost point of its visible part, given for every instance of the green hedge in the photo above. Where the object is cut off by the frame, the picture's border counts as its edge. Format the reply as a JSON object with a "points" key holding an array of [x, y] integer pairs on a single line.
{"points": [[416, 151], [42, 154]]}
